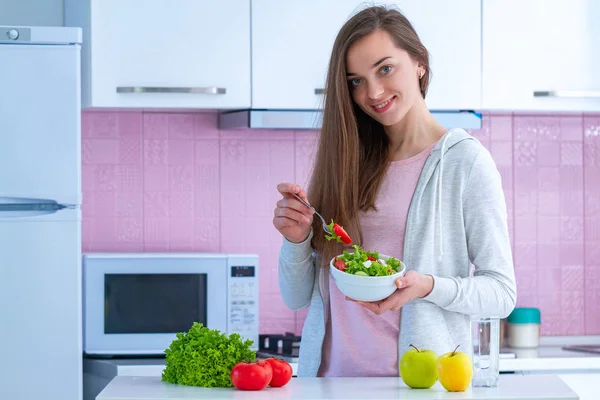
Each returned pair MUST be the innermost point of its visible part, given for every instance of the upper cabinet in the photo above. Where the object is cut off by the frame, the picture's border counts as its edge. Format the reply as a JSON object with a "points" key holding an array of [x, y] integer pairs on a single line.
{"points": [[292, 42], [541, 55], [521, 55], [153, 53]]}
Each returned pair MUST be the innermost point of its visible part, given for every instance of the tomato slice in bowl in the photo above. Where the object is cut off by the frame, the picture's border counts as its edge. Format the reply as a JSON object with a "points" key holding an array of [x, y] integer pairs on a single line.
{"points": [[340, 264]]}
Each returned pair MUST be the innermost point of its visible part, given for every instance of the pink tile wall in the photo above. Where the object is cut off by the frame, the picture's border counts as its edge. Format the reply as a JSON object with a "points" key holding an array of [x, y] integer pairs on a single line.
{"points": [[550, 165], [175, 182]]}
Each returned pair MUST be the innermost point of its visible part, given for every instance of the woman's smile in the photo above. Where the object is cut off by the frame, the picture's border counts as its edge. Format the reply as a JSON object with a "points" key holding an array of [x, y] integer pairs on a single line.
{"points": [[384, 106]]}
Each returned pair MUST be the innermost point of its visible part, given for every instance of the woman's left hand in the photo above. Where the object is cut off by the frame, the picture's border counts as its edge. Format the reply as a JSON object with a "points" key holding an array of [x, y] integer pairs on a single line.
{"points": [[410, 286]]}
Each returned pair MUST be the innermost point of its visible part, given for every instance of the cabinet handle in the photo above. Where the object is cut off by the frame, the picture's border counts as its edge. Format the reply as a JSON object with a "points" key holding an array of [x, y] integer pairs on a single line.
{"points": [[147, 89], [319, 91], [568, 93]]}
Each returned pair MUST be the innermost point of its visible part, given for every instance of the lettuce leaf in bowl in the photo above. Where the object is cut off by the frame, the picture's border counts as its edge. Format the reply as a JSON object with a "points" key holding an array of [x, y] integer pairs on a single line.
{"points": [[367, 263]]}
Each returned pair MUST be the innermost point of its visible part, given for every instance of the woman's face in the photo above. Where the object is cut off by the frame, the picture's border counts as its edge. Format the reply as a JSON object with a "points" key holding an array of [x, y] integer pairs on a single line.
{"points": [[383, 79]]}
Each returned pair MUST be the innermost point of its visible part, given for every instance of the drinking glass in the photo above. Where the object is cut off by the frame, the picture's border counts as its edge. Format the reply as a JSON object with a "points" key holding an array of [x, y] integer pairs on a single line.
{"points": [[486, 351]]}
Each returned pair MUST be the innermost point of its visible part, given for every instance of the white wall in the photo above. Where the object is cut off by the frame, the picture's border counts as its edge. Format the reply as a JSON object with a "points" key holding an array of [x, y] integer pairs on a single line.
{"points": [[31, 12]]}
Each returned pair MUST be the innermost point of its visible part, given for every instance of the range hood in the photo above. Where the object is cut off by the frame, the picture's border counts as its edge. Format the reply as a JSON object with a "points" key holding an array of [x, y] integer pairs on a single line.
{"points": [[311, 119]]}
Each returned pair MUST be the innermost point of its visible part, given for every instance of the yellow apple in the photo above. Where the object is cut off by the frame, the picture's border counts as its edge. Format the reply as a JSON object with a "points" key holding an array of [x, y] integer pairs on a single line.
{"points": [[455, 370], [418, 368]]}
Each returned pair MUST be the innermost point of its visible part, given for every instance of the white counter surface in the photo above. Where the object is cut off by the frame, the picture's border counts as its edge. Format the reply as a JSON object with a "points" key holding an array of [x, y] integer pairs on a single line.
{"points": [[522, 387], [587, 386], [552, 359], [545, 359]]}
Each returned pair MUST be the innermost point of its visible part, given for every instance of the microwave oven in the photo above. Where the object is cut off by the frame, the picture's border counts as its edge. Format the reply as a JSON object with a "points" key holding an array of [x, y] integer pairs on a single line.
{"points": [[134, 304]]}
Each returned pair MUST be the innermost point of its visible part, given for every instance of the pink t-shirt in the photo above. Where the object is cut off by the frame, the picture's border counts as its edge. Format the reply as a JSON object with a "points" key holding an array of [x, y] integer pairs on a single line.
{"points": [[358, 342]]}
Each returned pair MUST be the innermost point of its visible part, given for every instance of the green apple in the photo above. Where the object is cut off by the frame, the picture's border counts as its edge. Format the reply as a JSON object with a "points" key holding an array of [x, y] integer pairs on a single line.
{"points": [[418, 368]]}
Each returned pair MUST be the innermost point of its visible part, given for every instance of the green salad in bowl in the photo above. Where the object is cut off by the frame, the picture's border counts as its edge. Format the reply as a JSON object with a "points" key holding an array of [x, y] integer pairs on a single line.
{"points": [[366, 263], [366, 275]]}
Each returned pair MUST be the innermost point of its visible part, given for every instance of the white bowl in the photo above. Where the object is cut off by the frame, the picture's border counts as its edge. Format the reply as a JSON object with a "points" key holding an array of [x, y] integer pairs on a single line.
{"points": [[366, 288]]}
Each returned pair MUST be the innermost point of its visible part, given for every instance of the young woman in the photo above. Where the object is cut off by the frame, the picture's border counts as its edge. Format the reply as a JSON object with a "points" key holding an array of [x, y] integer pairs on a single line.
{"points": [[405, 186]]}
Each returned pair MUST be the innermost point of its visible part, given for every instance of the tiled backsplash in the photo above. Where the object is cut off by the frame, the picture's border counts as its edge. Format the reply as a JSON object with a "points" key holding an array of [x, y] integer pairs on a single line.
{"points": [[175, 182]]}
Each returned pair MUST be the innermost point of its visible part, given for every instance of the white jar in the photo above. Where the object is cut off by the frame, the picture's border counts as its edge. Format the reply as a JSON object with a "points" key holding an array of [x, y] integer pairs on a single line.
{"points": [[524, 328]]}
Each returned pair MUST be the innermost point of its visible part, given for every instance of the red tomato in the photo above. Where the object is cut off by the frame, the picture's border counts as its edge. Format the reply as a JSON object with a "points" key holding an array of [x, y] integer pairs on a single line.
{"points": [[254, 375], [282, 372], [371, 258], [340, 264], [338, 230]]}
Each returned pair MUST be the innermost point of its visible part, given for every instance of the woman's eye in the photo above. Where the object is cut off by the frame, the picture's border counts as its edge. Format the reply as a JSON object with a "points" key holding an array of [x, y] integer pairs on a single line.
{"points": [[355, 82], [386, 69]]}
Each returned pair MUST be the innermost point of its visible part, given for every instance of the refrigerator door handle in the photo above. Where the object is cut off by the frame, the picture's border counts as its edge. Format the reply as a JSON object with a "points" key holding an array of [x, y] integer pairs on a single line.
{"points": [[32, 207], [14, 207]]}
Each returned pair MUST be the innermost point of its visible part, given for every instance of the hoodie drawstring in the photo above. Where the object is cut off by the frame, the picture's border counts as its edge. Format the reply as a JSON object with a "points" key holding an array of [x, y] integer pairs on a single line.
{"points": [[440, 216]]}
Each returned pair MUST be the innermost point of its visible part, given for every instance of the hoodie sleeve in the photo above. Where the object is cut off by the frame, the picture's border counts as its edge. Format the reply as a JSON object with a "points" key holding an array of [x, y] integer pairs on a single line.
{"points": [[491, 291], [296, 273]]}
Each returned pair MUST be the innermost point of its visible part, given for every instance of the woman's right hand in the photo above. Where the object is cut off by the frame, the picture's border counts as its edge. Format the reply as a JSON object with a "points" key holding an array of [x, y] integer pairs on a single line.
{"points": [[292, 218]]}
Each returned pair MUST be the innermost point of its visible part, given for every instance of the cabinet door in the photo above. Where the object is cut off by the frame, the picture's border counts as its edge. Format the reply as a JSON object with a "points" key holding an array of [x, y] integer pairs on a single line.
{"points": [[534, 46], [186, 45], [451, 32], [292, 42]]}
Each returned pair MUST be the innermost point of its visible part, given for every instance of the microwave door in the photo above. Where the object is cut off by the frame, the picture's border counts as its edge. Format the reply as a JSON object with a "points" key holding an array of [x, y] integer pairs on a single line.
{"points": [[153, 303], [135, 304]]}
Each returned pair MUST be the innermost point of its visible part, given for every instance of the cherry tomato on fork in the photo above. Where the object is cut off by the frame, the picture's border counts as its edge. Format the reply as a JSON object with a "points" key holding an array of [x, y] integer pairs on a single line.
{"points": [[338, 233], [341, 232]]}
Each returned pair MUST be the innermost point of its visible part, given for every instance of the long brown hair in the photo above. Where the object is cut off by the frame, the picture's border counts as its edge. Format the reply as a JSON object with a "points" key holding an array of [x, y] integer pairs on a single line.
{"points": [[348, 169]]}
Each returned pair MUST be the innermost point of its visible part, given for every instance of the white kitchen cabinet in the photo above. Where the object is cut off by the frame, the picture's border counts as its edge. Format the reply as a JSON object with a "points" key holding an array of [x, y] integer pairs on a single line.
{"points": [[534, 46], [292, 42], [154, 53]]}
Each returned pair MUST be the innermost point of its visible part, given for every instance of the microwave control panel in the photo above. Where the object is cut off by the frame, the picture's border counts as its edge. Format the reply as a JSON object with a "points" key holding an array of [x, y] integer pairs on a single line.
{"points": [[243, 301]]}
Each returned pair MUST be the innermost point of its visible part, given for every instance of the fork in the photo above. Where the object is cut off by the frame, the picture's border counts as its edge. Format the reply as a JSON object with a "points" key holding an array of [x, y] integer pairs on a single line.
{"points": [[325, 227]]}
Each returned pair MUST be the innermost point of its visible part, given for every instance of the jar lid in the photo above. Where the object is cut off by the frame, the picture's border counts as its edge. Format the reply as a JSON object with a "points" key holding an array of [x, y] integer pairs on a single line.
{"points": [[524, 316]]}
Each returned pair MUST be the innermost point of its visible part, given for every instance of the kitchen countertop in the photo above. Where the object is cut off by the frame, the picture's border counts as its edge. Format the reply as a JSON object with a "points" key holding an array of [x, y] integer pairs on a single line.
{"points": [[552, 359], [109, 367], [545, 359], [523, 387]]}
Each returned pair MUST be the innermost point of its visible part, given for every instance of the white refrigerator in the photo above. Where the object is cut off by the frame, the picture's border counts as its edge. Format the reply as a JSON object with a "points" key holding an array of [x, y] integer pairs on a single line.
{"points": [[40, 213]]}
